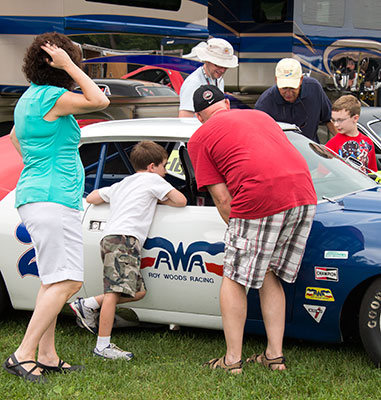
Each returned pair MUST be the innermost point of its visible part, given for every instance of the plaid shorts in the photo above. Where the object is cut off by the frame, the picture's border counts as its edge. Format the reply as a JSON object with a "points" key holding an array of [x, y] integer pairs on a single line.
{"points": [[121, 265], [276, 243]]}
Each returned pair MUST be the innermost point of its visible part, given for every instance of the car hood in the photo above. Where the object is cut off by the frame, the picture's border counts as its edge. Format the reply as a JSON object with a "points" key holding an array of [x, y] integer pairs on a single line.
{"points": [[366, 201]]}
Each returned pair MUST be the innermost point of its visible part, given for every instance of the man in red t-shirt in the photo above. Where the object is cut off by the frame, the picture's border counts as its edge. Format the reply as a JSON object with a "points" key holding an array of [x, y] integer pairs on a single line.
{"points": [[263, 190], [349, 141]]}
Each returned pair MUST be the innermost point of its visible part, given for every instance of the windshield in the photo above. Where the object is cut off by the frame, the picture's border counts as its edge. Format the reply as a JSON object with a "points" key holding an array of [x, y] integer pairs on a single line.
{"points": [[376, 126], [332, 177], [155, 91]]}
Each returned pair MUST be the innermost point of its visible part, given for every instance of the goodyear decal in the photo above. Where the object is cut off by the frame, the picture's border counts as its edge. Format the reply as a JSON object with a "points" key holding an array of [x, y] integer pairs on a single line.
{"points": [[316, 293]]}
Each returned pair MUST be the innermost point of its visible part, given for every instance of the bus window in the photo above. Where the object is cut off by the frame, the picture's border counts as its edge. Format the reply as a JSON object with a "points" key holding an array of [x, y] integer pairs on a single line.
{"points": [[172, 5], [367, 14], [323, 12], [269, 10]]}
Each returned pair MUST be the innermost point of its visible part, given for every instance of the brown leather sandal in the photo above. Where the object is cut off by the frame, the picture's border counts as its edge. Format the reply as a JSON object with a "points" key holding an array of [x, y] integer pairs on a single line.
{"points": [[215, 363], [267, 362]]}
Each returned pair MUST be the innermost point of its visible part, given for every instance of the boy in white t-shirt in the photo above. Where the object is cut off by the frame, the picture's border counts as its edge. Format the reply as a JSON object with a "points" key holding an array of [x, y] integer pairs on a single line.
{"points": [[132, 208]]}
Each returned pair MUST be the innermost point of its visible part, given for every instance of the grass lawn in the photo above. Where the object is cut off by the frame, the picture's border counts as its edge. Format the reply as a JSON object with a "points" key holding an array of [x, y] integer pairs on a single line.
{"points": [[167, 366]]}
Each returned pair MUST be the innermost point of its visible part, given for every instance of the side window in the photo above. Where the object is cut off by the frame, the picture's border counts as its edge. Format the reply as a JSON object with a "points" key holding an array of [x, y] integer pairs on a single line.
{"points": [[105, 163], [194, 197], [90, 155], [324, 134], [108, 163]]}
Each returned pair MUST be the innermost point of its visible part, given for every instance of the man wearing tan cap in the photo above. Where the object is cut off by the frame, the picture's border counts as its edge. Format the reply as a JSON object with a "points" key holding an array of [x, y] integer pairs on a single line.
{"points": [[217, 56], [296, 99]]}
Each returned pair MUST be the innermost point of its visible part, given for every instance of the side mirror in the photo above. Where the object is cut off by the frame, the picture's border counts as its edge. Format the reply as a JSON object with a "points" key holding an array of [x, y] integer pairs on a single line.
{"points": [[355, 163]]}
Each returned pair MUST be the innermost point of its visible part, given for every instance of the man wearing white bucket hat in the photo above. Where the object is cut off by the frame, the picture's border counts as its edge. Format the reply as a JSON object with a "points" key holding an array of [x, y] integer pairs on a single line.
{"points": [[217, 56]]}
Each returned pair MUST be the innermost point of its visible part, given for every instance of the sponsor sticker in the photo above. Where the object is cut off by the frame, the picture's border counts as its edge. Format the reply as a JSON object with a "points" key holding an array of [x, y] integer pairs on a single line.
{"points": [[316, 293], [174, 163], [316, 312], [336, 255], [326, 274]]}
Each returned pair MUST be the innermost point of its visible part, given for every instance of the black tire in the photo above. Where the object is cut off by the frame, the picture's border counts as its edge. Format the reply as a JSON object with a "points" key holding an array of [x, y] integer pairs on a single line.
{"points": [[370, 321], [4, 297]]}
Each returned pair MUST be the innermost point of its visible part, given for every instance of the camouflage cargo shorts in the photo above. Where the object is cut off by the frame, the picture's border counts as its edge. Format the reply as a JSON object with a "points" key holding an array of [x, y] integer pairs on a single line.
{"points": [[121, 265]]}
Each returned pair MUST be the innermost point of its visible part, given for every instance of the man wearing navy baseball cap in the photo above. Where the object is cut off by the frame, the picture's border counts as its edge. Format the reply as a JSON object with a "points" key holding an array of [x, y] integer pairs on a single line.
{"points": [[269, 213], [297, 99]]}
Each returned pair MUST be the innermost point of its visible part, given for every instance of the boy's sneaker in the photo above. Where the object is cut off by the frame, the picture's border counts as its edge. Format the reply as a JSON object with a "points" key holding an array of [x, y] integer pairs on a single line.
{"points": [[86, 316], [113, 352]]}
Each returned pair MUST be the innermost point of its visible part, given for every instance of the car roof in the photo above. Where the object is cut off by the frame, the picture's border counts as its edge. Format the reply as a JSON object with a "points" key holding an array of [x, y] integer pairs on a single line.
{"points": [[157, 129], [369, 113]]}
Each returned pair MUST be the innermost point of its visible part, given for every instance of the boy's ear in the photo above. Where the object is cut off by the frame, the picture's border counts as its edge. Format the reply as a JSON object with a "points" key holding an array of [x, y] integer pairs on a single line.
{"points": [[150, 167]]}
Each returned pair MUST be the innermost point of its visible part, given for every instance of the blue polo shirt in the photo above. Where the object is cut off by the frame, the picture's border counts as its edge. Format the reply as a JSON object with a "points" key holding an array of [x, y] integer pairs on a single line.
{"points": [[310, 108]]}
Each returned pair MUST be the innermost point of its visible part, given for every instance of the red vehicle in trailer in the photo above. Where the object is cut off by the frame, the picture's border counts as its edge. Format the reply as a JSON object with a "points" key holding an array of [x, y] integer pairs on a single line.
{"points": [[169, 77]]}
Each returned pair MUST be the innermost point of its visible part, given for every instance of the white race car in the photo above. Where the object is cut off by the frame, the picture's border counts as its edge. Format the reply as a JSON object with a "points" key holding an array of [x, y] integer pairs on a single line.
{"points": [[182, 258]]}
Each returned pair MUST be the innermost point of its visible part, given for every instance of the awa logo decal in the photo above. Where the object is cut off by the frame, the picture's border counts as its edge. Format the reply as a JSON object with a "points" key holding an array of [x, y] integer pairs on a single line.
{"points": [[173, 260], [191, 259], [322, 294]]}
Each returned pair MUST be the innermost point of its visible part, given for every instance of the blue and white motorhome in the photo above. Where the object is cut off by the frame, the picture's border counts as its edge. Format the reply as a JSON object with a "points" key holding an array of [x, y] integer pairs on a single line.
{"points": [[21, 20], [337, 41]]}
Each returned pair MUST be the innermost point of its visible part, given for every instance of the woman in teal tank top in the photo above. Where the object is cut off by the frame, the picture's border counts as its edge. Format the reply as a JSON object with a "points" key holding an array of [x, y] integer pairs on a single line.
{"points": [[50, 189]]}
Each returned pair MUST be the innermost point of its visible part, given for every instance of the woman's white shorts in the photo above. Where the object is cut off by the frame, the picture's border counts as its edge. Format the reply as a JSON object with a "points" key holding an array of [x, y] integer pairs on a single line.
{"points": [[56, 233]]}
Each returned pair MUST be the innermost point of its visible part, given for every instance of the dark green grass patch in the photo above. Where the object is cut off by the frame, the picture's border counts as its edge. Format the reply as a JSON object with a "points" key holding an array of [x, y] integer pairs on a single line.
{"points": [[167, 366]]}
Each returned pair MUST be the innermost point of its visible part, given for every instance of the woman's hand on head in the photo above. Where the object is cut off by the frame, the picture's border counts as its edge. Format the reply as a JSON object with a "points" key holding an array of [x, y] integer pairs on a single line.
{"points": [[60, 59]]}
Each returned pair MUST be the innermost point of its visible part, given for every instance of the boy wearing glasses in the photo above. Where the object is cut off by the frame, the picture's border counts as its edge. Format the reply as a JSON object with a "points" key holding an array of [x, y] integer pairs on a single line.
{"points": [[349, 141]]}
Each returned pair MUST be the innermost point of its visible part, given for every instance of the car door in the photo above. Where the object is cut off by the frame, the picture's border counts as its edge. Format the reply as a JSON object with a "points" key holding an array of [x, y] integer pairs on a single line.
{"points": [[181, 259]]}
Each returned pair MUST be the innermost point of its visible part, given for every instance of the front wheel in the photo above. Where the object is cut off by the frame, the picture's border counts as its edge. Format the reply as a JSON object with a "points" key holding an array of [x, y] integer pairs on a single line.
{"points": [[370, 321]]}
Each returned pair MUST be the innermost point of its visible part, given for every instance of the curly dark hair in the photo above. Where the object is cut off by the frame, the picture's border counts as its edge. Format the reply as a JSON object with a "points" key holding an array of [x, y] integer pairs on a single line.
{"points": [[38, 71]]}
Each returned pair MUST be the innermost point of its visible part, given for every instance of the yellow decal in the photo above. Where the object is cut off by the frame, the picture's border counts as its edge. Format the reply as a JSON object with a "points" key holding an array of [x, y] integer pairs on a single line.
{"points": [[322, 294], [174, 164]]}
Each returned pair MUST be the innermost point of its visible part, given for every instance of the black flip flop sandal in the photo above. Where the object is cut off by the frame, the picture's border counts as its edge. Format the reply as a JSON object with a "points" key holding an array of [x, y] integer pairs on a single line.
{"points": [[17, 369], [60, 367]]}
